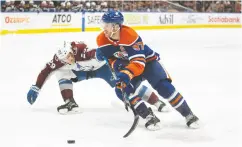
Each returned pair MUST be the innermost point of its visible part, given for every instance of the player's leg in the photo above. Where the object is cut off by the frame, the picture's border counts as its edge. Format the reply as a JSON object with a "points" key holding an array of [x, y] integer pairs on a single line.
{"points": [[144, 92], [152, 122], [66, 88], [150, 97], [160, 80]]}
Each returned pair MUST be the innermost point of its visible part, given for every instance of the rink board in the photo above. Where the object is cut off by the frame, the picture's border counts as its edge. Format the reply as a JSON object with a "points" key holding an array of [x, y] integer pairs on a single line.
{"points": [[35, 23]]}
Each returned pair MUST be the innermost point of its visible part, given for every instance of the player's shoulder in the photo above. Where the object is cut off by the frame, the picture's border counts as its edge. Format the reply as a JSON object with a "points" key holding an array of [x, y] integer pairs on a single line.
{"points": [[78, 44], [128, 35], [56, 60], [102, 40]]}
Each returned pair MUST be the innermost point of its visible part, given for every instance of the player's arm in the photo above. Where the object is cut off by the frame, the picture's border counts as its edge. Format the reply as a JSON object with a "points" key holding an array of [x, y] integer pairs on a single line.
{"points": [[85, 52], [136, 59], [136, 64], [51, 66]]}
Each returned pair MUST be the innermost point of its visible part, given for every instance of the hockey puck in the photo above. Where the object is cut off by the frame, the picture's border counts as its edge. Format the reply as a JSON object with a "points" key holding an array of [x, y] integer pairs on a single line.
{"points": [[70, 141]]}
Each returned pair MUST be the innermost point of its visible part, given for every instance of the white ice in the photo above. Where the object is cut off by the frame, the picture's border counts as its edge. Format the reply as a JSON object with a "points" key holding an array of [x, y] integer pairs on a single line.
{"points": [[205, 65]]}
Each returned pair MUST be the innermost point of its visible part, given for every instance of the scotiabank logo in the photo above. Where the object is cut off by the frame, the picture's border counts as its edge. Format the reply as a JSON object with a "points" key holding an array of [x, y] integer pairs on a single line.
{"points": [[223, 19], [9, 19]]}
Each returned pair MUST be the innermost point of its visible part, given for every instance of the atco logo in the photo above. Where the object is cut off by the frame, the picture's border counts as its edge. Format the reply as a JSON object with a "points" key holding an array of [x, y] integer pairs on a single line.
{"points": [[9, 19], [62, 18]]}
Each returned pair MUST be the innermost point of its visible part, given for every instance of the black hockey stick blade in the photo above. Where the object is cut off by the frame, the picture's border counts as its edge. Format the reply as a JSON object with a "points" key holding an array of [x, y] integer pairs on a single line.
{"points": [[134, 125]]}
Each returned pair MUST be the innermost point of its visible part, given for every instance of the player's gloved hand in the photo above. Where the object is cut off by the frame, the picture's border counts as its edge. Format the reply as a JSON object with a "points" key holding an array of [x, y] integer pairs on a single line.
{"points": [[123, 78], [74, 79], [33, 94], [129, 89], [119, 65], [99, 55]]}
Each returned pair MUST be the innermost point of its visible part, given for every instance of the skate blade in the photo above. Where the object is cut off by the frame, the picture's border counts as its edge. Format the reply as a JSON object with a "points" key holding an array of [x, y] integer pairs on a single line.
{"points": [[73, 111], [156, 127], [195, 125]]}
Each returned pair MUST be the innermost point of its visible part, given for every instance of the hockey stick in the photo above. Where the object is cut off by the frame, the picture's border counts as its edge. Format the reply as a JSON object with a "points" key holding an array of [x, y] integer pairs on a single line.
{"points": [[126, 103]]}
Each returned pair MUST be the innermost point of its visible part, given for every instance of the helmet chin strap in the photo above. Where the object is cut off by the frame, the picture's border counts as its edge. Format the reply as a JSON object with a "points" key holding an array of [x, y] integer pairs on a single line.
{"points": [[113, 31]]}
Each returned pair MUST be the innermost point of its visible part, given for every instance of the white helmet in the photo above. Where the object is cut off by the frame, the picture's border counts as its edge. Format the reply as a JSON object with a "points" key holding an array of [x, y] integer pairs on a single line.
{"points": [[64, 51]]}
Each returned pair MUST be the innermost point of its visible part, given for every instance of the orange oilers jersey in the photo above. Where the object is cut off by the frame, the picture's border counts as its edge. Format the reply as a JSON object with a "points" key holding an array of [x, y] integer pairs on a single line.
{"points": [[130, 47]]}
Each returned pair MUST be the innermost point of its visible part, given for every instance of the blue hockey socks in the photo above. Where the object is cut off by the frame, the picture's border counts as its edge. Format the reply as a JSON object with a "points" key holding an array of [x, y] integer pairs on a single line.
{"points": [[168, 91]]}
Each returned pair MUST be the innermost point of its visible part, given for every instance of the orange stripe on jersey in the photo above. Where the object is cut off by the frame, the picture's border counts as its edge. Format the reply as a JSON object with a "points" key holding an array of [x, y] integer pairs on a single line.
{"points": [[128, 73], [128, 35], [135, 68], [138, 58]]}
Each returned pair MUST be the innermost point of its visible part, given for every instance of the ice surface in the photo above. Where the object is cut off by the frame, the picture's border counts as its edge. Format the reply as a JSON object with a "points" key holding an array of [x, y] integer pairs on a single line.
{"points": [[205, 65]]}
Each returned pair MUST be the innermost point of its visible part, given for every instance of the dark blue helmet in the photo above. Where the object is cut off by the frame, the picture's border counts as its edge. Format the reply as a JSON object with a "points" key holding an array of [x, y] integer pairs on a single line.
{"points": [[113, 16]]}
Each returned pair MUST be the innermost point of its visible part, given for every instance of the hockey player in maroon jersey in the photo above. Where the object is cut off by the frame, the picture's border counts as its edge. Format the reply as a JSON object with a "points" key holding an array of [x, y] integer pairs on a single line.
{"points": [[76, 62]]}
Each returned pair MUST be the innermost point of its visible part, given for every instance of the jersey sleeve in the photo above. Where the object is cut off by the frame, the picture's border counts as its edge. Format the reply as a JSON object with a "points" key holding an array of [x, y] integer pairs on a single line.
{"points": [[134, 47], [51, 66], [136, 57], [82, 52]]}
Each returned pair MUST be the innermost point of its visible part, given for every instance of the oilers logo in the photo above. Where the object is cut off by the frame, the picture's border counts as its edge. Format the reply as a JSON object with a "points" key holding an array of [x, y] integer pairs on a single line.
{"points": [[121, 54]]}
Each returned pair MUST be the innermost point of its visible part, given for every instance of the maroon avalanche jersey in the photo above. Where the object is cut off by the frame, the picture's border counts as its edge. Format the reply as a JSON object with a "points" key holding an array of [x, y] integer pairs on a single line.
{"points": [[82, 55]]}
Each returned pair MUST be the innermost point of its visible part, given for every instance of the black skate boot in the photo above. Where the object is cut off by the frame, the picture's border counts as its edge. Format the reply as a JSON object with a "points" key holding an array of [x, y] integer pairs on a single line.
{"points": [[161, 106], [70, 106], [153, 122], [192, 121]]}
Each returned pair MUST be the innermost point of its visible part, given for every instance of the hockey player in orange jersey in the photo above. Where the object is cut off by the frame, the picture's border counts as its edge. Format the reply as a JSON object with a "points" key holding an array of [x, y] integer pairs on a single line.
{"points": [[120, 43]]}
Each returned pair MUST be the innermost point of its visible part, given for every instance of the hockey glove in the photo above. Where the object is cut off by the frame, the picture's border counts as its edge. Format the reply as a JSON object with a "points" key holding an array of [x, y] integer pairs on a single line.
{"points": [[74, 79], [128, 90], [123, 78], [119, 65], [33, 94]]}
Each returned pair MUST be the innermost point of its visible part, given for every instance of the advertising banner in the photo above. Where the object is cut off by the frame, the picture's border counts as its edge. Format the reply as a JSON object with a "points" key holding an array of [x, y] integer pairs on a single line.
{"points": [[76, 22], [23, 21], [223, 19]]}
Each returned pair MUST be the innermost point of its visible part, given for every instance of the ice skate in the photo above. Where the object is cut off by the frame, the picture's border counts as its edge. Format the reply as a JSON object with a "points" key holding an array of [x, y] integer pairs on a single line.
{"points": [[192, 121], [70, 107], [161, 106], [153, 123]]}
